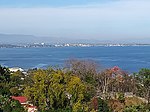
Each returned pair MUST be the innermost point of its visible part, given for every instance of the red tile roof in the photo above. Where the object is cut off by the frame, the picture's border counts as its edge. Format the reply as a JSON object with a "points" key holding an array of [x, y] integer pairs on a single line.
{"points": [[21, 99]]}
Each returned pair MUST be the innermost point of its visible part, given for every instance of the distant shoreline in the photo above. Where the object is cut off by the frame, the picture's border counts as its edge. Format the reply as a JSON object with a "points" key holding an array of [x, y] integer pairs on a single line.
{"points": [[43, 45]]}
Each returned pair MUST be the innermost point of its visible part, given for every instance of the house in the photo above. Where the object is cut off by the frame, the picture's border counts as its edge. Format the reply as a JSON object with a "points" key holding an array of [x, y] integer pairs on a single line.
{"points": [[24, 102], [32, 108], [21, 99], [15, 69]]}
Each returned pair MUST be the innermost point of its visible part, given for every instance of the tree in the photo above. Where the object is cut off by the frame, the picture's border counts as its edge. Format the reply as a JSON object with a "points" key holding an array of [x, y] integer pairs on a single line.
{"points": [[16, 83], [121, 97], [137, 108], [144, 80], [37, 91], [100, 105], [54, 90], [86, 70], [4, 81], [77, 90], [4, 74]]}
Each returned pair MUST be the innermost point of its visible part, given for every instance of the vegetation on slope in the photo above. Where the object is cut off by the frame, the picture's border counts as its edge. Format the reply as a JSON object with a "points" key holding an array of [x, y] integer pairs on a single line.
{"points": [[78, 87]]}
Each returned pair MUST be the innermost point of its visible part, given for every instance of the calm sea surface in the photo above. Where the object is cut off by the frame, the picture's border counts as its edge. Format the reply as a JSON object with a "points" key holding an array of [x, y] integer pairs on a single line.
{"points": [[128, 58]]}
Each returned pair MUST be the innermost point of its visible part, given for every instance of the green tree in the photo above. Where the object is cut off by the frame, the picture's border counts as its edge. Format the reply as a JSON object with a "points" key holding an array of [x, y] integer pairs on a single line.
{"points": [[144, 80], [100, 105], [54, 90], [16, 83], [121, 97], [137, 108], [37, 91], [4, 81]]}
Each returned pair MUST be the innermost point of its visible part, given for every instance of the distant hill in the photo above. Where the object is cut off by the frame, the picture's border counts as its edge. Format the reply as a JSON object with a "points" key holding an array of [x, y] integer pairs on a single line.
{"points": [[16, 38], [21, 38]]}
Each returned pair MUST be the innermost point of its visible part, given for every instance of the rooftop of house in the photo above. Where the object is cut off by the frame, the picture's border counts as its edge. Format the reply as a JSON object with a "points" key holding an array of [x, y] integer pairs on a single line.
{"points": [[21, 99], [15, 69]]}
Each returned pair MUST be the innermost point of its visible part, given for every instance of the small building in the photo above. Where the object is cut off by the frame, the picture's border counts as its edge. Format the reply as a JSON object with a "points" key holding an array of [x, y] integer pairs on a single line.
{"points": [[21, 99], [32, 108], [15, 69], [24, 102]]}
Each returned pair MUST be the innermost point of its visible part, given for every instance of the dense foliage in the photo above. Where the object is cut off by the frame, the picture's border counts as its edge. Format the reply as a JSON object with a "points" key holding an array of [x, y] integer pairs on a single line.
{"points": [[9, 105], [79, 87], [7, 83], [137, 108]]}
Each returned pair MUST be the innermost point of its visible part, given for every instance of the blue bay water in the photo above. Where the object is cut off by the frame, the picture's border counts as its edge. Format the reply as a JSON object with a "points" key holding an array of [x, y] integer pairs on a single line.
{"points": [[131, 58]]}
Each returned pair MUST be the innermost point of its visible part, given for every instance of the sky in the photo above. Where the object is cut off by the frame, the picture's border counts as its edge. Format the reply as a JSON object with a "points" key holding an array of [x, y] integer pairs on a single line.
{"points": [[99, 20]]}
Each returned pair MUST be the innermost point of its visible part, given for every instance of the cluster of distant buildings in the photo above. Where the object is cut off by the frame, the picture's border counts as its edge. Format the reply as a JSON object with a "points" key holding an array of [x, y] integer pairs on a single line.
{"points": [[38, 45]]}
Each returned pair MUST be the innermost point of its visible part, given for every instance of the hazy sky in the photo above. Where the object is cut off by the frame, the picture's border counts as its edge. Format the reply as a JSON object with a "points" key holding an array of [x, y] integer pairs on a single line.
{"points": [[77, 19]]}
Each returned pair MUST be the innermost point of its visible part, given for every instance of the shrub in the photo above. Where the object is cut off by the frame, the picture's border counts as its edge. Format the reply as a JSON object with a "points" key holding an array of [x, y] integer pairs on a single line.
{"points": [[137, 108], [121, 97]]}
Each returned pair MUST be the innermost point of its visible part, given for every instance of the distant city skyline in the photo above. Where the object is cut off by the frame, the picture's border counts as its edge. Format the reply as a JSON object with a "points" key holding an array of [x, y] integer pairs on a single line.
{"points": [[77, 20]]}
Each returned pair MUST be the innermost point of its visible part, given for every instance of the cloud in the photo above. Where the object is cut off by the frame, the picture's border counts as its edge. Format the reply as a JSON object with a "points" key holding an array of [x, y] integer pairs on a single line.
{"points": [[112, 20]]}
